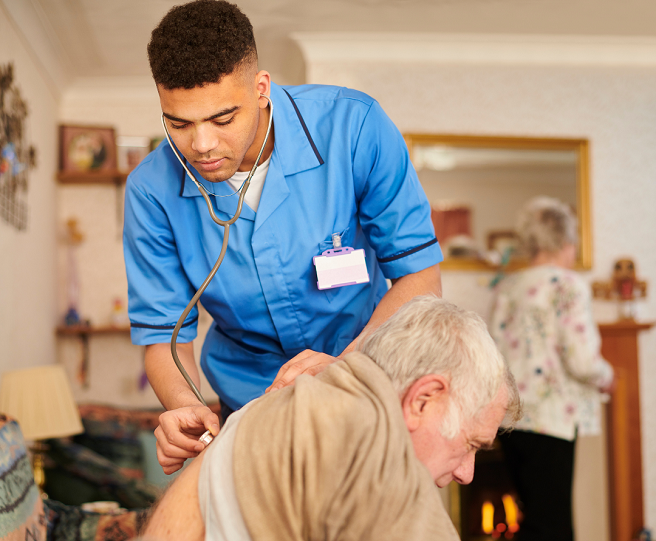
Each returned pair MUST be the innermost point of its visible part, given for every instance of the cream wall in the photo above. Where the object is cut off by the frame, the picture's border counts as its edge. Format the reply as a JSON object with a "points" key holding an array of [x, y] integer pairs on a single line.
{"points": [[27, 258], [614, 107]]}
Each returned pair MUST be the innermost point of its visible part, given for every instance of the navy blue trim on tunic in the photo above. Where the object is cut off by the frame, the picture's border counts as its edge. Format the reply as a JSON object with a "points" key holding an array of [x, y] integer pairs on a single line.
{"points": [[409, 252], [182, 180], [165, 327], [307, 133]]}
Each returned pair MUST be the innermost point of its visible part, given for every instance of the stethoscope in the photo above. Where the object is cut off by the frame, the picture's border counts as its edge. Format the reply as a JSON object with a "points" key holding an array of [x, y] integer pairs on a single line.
{"points": [[207, 437]]}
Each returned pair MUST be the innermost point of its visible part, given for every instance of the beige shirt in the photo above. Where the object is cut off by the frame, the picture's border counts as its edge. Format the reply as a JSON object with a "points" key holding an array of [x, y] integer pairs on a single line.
{"points": [[330, 458]]}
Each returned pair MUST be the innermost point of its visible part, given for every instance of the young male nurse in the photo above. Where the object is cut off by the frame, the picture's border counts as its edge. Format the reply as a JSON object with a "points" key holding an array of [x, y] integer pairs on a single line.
{"points": [[334, 163]]}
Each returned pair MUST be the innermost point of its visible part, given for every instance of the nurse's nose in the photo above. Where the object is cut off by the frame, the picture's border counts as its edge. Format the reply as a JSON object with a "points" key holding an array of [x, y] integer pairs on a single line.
{"points": [[464, 474], [204, 139]]}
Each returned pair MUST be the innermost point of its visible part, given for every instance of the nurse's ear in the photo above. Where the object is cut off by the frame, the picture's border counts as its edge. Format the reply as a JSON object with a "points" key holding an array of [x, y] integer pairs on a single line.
{"points": [[263, 85]]}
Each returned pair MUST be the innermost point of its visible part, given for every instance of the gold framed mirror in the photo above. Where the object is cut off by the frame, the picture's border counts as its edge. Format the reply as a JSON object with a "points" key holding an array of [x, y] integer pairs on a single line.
{"points": [[476, 185]]}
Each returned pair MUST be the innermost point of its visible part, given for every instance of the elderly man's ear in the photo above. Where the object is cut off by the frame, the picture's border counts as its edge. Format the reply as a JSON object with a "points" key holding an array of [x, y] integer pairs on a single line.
{"points": [[425, 400]]}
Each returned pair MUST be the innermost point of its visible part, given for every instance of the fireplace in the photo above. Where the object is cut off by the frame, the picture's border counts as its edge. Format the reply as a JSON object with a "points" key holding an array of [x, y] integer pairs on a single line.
{"points": [[488, 507]]}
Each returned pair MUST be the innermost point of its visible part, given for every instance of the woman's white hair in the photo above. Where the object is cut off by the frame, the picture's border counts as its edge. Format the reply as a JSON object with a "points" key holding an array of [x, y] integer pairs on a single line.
{"points": [[429, 335], [546, 224]]}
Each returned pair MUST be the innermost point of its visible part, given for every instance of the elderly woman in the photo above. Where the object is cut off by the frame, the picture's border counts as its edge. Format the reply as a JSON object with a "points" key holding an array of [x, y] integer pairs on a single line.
{"points": [[542, 323]]}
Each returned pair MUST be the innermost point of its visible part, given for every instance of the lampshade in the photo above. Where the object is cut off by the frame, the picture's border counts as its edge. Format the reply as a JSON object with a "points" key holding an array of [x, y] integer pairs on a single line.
{"points": [[40, 399]]}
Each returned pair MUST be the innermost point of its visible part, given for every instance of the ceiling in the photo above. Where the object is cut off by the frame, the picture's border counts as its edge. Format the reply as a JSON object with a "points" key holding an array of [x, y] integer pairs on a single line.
{"points": [[108, 37]]}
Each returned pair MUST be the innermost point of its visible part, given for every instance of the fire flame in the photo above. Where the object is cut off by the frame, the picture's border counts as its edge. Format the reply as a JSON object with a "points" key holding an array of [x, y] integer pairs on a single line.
{"points": [[510, 508], [488, 517], [510, 526]]}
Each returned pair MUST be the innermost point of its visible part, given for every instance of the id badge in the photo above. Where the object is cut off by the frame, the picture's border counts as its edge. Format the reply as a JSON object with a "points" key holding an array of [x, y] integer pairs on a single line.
{"points": [[339, 267]]}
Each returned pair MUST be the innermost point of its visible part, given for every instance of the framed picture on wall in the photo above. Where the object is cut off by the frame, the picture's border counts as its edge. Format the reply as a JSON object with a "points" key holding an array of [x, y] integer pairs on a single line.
{"points": [[87, 148]]}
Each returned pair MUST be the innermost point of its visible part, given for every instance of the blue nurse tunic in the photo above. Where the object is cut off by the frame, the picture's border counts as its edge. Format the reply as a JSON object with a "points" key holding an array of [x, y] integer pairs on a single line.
{"points": [[339, 165]]}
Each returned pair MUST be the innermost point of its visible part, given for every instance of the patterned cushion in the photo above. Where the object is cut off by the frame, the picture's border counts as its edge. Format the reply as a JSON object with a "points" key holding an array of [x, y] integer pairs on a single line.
{"points": [[113, 433], [98, 470], [69, 523], [21, 509]]}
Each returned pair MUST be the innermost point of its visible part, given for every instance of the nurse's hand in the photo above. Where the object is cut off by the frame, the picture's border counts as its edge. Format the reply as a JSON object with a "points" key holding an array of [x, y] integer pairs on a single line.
{"points": [[178, 432], [306, 362]]}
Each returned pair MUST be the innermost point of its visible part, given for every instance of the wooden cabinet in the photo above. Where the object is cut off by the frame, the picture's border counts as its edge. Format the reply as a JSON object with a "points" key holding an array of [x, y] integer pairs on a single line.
{"points": [[619, 345]]}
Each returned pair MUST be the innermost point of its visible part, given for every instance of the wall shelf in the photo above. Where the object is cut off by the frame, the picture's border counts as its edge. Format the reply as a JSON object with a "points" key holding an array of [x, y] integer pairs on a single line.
{"points": [[112, 176], [82, 332], [79, 330]]}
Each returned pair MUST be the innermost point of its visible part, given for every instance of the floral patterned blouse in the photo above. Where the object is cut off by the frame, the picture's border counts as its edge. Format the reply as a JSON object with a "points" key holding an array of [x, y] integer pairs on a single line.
{"points": [[542, 323]]}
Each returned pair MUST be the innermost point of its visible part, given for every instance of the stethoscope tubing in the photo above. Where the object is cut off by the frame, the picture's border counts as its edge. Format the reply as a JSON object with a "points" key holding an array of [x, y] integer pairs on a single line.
{"points": [[224, 247]]}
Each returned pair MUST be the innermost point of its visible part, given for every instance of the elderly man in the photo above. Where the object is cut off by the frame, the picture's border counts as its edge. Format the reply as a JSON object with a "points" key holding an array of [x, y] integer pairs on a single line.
{"points": [[355, 452]]}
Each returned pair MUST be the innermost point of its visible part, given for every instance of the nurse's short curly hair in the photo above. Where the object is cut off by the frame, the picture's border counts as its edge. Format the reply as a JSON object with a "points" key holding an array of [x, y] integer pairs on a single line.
{"points": [[199, 43], [546, 224]]}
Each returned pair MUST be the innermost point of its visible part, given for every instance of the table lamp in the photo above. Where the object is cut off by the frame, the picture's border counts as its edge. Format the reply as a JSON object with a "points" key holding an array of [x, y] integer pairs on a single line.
{"points": [[40, 399]]}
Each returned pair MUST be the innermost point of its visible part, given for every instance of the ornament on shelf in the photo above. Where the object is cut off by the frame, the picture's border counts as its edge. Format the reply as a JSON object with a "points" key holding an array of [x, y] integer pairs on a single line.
{"points": [[623, 287], [119, 314], [73, 239]]}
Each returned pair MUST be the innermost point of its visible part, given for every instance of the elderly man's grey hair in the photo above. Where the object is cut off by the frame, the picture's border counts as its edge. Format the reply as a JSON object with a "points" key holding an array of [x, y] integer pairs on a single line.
{"points": [[429, 335], [546, 224]]}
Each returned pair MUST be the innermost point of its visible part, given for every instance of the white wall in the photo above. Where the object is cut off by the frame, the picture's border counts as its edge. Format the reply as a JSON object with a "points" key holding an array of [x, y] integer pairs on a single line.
{"points": [[613, 106], [27, 258]]}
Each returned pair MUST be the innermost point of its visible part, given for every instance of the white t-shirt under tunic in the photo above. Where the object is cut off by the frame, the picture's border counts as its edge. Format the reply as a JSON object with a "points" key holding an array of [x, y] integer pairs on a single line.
{"points": [[254, 192], [216, 487]]}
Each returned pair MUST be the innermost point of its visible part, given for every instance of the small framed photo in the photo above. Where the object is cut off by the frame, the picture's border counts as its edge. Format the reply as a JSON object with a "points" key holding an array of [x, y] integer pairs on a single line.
{"points": [[87, 148], [131, 150]]}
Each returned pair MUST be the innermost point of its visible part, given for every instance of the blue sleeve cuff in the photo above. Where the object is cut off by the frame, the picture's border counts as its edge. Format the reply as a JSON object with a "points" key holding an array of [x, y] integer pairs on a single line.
{"points": [[411, 261], [146, 335]]}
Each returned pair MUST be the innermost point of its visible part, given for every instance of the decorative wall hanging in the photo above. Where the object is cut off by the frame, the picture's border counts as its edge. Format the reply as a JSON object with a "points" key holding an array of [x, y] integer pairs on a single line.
{"points": [[16, 156]]}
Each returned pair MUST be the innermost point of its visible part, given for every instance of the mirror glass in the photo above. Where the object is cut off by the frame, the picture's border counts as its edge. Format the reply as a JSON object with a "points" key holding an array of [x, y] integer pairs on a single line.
{"points": [[477, 185]]}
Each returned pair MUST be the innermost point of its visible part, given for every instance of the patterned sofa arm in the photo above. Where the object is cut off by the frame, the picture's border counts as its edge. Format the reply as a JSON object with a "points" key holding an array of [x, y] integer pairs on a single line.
{"points": [[24, 515], [21, 509], [71, 523]]}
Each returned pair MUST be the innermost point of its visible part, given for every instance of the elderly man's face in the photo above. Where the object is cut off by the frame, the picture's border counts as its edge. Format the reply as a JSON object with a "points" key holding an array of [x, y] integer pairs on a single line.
{"points": [[453, 460]]}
